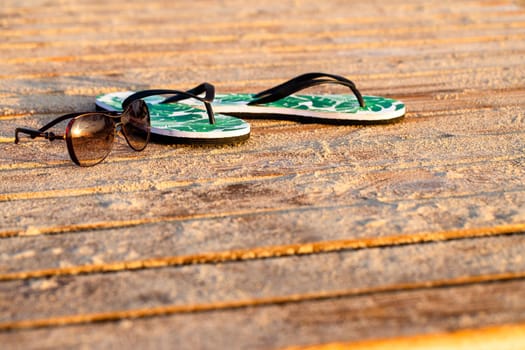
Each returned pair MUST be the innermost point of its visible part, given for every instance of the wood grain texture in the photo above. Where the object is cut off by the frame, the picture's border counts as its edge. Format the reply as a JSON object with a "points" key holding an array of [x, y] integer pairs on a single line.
{"points": [[347, 319], [359, 272], [305, 234]]}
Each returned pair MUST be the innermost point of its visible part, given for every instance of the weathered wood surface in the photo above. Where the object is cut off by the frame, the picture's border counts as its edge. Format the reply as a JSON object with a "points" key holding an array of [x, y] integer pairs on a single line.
{"points": [[305, 234]]}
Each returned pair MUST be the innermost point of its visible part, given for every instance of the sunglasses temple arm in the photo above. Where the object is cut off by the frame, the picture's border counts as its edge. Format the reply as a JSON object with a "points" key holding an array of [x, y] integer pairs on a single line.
{"points": [[33, 133], [36, 133], [59, 120]]}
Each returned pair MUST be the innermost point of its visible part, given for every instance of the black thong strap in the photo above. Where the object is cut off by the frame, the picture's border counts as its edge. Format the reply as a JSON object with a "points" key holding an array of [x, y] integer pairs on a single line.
{"points": [[302, 82], [206, 88]]}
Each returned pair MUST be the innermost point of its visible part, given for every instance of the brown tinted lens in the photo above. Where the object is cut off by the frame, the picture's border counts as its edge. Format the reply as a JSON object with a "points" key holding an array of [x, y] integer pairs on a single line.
{"points": [[136, 125], [90, 138]]}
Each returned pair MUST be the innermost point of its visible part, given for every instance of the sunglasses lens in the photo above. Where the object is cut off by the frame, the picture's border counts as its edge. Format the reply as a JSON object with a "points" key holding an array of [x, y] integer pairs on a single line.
{"points": [[90, 138], [136, 125]]}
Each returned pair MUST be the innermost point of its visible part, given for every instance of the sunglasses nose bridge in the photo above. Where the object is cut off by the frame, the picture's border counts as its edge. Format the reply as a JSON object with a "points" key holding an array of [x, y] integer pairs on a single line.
{"points": [[118, 129], [121, 130], [135, 128]]}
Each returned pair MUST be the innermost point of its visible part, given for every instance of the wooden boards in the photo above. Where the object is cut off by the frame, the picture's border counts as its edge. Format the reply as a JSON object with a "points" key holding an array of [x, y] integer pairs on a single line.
{"points": [[305, 234]]}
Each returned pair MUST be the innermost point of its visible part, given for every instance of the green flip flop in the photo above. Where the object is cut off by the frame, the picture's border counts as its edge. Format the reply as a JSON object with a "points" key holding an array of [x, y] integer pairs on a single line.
{"points": [[281, 103], [181, 122]]}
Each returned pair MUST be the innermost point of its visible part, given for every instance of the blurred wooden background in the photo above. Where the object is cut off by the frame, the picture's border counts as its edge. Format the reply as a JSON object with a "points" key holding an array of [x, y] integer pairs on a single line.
{"points": [[304, 235]]}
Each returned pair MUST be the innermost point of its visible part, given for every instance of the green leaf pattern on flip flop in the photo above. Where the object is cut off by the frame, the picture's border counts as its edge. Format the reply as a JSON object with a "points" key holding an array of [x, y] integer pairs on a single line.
{"points": [[178, 116], [319, 103]]}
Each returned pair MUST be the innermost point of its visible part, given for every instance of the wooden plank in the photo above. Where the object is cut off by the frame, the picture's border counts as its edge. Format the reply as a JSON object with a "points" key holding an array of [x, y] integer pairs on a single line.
{"points": [[193, 240], [375, 316], [353, 272], [308, 163]]}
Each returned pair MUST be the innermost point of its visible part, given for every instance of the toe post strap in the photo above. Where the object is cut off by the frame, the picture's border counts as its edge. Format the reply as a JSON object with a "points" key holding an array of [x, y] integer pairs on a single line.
{"points": [[177, 95]]}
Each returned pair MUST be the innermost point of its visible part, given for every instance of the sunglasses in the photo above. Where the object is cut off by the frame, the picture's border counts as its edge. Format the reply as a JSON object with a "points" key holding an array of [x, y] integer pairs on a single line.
{"points": [[90, 136]]}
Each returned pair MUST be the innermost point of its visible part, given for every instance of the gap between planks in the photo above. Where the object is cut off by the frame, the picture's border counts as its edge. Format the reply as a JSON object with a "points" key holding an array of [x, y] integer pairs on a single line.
{"points": [[257, 302], [282, 49], [229, 38], [138, 186], [88, 20], [270, 252], [266, 81]]}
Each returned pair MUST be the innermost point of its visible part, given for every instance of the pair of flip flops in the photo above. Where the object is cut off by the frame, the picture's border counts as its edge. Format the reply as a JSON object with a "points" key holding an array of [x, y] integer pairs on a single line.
{"points": [[187, 116]]}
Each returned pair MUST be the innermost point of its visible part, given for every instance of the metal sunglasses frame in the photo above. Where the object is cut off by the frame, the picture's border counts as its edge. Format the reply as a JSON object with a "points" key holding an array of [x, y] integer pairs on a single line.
{"points": [[115, 117]]}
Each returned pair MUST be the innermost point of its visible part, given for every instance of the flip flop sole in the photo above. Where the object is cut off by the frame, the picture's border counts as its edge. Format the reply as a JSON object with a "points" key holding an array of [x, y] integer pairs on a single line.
{"points": [[337, 108], [182, 123]]}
